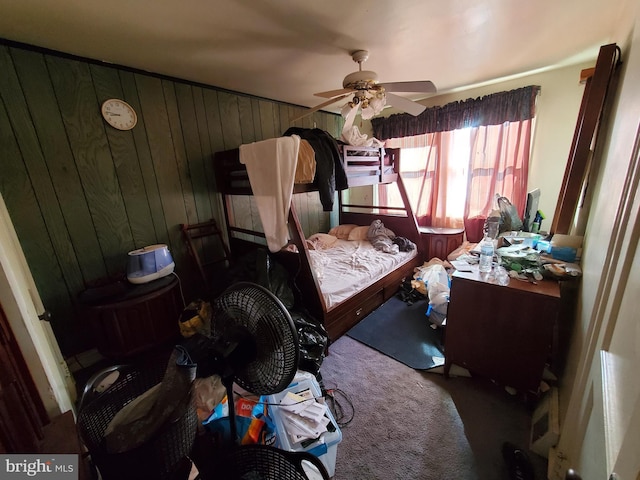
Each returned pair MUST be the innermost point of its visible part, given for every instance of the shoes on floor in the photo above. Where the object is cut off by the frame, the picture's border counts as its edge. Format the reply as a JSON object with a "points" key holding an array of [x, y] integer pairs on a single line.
{"points": [[518, 463]]}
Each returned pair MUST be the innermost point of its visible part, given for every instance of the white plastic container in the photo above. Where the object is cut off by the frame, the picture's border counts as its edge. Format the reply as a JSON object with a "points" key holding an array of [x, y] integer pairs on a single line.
{"points": [[325, 447], [149, 263]]}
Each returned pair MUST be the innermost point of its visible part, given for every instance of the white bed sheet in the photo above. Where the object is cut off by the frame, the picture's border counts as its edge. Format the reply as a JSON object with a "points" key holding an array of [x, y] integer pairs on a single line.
{"points": [[351, 265]]}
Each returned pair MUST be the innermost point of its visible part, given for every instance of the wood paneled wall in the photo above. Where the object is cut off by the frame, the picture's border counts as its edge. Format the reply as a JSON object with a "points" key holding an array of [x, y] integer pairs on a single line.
{"points": [[82, 194]]}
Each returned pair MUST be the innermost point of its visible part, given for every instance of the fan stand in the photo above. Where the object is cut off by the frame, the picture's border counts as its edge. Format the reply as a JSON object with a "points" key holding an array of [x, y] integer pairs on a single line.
{"points": [[233, 428], [231, 356]]}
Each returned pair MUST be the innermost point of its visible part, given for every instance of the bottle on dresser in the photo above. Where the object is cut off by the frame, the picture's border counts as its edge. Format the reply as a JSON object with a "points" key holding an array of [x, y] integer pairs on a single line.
{"points": [[486, 254]]}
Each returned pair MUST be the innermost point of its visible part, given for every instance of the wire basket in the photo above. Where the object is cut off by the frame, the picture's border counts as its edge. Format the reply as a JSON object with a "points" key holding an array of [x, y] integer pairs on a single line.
{"points": [[164, 456]]}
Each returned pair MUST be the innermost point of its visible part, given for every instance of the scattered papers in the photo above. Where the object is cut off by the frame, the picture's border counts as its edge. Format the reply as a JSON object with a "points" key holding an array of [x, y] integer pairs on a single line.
{"points": [[302, 416], [461, 265]]}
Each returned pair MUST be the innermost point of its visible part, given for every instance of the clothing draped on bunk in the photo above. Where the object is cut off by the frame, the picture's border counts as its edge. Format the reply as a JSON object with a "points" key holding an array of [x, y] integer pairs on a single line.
{"points": [[330, 174]]}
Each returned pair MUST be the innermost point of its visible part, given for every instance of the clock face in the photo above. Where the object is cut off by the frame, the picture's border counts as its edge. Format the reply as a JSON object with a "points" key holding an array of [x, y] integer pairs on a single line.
{"points": [[119, 114]]}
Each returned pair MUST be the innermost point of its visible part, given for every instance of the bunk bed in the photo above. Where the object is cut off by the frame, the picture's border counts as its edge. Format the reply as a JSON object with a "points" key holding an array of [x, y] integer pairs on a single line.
{"points": [[362, 166]]}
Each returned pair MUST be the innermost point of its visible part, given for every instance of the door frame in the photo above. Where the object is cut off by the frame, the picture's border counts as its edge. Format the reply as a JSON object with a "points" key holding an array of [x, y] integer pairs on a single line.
{"points": [[22, 305]]}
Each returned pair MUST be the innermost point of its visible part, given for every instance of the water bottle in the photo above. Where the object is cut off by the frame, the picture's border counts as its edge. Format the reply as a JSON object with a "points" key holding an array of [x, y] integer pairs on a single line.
{"points": [[486, 254]]}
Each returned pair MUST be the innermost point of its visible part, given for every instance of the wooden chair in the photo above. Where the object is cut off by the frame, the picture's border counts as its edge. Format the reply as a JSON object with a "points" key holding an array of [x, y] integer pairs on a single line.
{"points": [[210, 253]]}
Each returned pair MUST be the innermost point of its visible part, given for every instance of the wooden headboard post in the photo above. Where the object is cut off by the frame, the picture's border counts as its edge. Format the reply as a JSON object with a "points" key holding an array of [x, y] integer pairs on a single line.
{"points": [[394, 153], [298, 265]]}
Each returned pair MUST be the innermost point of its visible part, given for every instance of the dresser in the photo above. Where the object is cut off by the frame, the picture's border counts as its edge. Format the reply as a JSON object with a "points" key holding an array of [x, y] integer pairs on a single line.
{"points": [[440, 242], [505, 333]]}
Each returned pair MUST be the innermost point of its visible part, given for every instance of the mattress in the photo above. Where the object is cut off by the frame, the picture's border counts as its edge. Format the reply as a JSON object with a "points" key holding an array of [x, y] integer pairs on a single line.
{"points": [[350, 266]]}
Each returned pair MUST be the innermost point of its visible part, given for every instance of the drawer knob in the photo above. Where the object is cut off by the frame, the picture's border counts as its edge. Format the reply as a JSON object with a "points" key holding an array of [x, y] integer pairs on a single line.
{"points": [[358, 312]]}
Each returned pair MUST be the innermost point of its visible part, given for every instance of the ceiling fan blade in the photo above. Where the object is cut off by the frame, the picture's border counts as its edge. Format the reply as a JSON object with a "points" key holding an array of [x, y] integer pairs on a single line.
{"points": [[334, 93], [318, 107], [414, 87], [404, 104]]}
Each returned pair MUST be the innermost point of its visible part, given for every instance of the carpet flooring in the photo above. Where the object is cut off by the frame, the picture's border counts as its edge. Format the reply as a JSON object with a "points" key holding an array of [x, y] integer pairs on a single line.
{"points": [[402, 332], [402, 423]]}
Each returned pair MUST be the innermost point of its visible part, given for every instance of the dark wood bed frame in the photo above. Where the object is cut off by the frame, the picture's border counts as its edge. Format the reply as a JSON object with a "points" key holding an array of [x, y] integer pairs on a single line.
{"points": [[363, 166]]}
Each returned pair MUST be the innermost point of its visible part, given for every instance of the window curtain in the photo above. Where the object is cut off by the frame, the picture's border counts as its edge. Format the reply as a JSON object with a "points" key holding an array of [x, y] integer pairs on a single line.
{"points": [[453, 173]]}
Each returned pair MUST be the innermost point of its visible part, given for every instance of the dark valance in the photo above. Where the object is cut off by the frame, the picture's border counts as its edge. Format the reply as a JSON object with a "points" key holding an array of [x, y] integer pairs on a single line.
{"points": [[495, 109]]}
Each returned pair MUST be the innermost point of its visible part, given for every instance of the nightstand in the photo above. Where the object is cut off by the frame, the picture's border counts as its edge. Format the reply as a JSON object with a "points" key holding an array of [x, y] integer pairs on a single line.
{"points": [[440, 242], [134, 318]]}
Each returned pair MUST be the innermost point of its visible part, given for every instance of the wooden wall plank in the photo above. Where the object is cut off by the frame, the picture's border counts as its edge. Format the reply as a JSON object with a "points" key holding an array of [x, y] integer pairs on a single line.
{"points": [[145, 162], [257, 124], [214, 121], [206, 155], [267, 123], [125, 159], [246, 119], [179, 152], [300, 205], [283, 118], [155, 114], [74, 241], [216, 140], [86, 132], [315, 213], [193, 149], [319, 120], [231, 129], [276, 121], [19, 196]]}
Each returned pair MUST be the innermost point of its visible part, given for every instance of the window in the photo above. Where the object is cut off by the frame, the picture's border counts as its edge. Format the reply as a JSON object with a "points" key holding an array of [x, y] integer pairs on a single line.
{"points": [[455, 159]]}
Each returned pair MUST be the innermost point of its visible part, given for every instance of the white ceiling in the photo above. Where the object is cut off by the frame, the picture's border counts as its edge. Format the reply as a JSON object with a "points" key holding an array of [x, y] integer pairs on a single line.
{"points": [[288, 49]]}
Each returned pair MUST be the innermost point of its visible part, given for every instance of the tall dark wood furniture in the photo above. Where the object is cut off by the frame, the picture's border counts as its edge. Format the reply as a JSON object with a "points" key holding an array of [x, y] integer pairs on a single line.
{"points": [[598, 82], [504, 333]]}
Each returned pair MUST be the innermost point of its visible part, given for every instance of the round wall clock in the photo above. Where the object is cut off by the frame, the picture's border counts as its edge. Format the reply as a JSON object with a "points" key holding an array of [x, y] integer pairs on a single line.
{"points": [[119, 114]]}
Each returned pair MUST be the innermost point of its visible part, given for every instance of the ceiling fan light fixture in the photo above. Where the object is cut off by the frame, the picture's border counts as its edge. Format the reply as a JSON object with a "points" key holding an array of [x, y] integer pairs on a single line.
{"points": [[360, 79], [369, 95], [374, 106]]}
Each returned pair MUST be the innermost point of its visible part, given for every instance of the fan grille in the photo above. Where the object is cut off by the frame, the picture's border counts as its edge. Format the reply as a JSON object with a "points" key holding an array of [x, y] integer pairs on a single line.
{"points": [[267, 463], [268, 321]]}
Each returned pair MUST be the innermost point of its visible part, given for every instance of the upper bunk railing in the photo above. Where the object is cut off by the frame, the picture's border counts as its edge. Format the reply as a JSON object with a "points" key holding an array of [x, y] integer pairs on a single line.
{"points": [[362, 165], [367, 166]]}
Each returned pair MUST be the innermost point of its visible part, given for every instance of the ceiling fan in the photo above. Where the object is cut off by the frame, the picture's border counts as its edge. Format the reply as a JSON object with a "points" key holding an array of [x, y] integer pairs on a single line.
{"points": [[370, 95]]}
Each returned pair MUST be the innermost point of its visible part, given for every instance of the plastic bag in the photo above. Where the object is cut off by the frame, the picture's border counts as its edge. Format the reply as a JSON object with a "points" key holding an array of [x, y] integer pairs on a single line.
{"points": [[312, 339], [436, 282], [508, 216], [206, 394]]}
